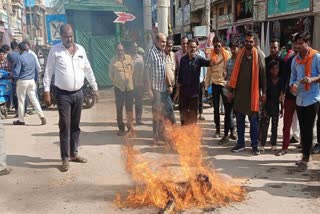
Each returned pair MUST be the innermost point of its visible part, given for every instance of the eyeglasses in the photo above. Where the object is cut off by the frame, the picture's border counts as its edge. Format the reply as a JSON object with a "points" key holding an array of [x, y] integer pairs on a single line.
{"points": [[217, 46], [247, 41]]}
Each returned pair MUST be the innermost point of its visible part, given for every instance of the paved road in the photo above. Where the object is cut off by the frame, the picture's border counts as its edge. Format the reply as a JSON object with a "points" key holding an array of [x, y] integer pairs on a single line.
{"points": [[37, 186]]}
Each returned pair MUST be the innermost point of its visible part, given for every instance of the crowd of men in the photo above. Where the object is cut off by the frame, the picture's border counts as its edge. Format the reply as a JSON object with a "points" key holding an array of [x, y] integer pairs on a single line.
{"points": [[242, 79], [247, 83]]}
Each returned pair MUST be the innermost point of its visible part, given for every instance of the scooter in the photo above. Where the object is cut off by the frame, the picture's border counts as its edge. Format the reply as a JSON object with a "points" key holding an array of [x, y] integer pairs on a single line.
{"points": [[5, 93], [209, 98]]}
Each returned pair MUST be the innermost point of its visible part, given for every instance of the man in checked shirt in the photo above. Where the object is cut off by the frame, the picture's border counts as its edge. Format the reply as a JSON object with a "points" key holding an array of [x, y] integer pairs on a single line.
{"points": [[158, 89]]}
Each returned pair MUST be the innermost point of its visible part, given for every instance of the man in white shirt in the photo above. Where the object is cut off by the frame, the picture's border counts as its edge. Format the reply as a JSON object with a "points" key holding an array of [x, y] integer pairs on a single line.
{"points": [[69, 63]]}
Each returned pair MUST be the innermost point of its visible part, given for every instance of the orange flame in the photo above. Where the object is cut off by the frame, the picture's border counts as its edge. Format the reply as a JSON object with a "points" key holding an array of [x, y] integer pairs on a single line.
{"points": [[201, 186]]}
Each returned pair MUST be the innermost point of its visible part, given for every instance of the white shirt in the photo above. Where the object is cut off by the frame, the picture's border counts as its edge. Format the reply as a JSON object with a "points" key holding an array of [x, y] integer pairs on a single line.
{"points": [[36, 57], [69, 70]]}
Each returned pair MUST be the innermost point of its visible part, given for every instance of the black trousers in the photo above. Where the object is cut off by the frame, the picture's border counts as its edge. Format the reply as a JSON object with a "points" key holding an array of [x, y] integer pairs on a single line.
{"points": [[70, 107], [216, 93], [188, 109], [265, 122], [229, 123], [124, 98], [307, 117]]}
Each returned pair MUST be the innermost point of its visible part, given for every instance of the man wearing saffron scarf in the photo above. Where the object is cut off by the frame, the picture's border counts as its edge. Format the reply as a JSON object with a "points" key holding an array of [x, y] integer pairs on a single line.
{"points": [[216, 77], [248, 83], [304, 82]]}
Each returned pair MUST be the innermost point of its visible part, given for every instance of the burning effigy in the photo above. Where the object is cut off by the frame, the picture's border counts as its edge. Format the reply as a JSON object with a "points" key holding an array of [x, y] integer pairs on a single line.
{"points": [[196, 185]]}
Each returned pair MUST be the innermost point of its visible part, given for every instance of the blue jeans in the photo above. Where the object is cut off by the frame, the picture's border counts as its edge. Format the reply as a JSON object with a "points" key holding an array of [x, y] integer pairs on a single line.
{"points": [[254, 129]]}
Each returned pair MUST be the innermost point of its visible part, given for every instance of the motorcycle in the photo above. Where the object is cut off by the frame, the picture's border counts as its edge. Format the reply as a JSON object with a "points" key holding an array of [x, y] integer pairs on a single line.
{"points": [[5, 93], [88, 93]]}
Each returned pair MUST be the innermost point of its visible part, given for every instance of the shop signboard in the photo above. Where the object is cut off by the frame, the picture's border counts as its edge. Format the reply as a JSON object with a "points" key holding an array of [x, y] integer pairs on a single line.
{"points": [[53, 24], [261, 11], [224, 21], [29, 3], [287, 7], [316, 6], [196, 5], [179, 19]]}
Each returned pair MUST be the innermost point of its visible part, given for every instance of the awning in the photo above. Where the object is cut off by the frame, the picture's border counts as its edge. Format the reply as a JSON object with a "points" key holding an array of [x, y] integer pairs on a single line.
{"points": [[95, 5]]}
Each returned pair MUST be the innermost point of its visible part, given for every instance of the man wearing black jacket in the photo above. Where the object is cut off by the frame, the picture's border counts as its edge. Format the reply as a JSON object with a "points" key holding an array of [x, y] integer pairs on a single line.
{"points": [[274, 55]]}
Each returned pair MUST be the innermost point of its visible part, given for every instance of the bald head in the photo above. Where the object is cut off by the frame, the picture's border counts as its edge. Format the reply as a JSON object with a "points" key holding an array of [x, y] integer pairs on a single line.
{"points": [[161, 41], [65, 27], [66, 33]]}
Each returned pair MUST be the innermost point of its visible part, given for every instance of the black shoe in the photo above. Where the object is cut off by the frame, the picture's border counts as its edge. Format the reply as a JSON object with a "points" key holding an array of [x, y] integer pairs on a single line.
{"points": [[255, 151], [17, 122], [293, 140], [223, 140], [316, 149], [237, 148]]}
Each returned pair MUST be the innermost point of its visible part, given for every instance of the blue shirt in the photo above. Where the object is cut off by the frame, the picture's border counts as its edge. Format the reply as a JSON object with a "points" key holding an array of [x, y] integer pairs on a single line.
{"points": [[189, 75], [306, 98], [26, 67], [13, 57]]}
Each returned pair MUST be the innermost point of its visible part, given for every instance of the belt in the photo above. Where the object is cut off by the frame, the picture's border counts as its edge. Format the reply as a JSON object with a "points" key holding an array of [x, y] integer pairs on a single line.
{"points": [[67, 92]]}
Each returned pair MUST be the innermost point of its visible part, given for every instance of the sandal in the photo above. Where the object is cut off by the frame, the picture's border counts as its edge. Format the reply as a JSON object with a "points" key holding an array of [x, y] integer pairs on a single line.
{"points": [[65, 166], [5, 171], [281, 153], [79, 159]]}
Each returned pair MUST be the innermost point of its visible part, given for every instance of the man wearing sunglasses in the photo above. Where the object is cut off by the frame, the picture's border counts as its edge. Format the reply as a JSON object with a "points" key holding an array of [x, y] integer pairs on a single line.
{"points": [[216, 77], [248, 86]]}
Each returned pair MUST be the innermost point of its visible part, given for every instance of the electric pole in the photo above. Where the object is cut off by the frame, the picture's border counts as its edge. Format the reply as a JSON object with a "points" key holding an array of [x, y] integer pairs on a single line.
{"points": [[207, 15], [147, 19], [162, 16]]}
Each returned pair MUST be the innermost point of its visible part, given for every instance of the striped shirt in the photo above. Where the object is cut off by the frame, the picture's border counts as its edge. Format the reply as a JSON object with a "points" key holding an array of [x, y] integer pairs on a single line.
{"points": [[156, 66]]}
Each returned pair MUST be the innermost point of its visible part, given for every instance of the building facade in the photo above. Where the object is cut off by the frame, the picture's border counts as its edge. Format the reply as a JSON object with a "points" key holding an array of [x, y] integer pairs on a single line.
{"points": [[22, 19], [35, 23], [230, 19], [11, 20]]}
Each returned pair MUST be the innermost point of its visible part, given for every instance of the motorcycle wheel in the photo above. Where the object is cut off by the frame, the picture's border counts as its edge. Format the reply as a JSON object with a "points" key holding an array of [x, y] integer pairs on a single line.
{"points": [[89, 101]]}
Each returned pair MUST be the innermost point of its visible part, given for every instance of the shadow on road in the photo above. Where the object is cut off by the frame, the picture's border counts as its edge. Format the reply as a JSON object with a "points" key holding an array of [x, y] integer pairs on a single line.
{"points": [[32, 162]]}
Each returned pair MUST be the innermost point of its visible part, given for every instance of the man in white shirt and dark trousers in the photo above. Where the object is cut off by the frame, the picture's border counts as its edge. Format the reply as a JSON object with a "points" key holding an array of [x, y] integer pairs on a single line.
{"points": [[69, 63]]}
